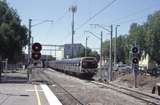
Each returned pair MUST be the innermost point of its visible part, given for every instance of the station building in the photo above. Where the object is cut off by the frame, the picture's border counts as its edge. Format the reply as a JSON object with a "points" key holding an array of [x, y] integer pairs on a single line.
{"points": [[77, 48]]}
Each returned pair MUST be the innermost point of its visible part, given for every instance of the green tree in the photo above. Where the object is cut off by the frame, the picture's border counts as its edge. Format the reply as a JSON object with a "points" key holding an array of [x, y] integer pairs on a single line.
{"points": [[137, 35], [152, 31], [123, 49], [105, 49], [146, 36], [90, 53], [13, 35]]}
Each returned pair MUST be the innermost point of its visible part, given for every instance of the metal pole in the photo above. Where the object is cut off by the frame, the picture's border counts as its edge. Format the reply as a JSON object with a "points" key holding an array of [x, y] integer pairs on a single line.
{"points": [[29, 48], [6, 64], [135, 69], [135, 77], [115, 48], [55, 51], [101, 55], [73, 9], [86, 47], [32, 40], [110, 56], [29, 39], [72, 31]]}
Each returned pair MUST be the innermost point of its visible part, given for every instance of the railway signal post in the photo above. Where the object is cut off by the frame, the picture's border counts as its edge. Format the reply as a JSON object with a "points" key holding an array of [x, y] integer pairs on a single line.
{"points": [[135, 63], [36, 48], [36, 55]]}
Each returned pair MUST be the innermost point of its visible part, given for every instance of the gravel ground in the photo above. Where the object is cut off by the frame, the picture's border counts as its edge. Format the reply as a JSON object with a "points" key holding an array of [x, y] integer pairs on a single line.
{"points": [[145, 82], [89, 93]]}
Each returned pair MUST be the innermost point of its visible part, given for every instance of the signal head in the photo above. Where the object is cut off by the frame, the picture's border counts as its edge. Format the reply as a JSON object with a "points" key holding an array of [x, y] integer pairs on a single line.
{"points": [[134, 50], [36, 47], [135, 60], [36, 55]]}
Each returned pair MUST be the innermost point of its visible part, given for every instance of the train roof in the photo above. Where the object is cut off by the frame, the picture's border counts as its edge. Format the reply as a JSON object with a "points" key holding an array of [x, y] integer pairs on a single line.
{"points": [[74, 60]]}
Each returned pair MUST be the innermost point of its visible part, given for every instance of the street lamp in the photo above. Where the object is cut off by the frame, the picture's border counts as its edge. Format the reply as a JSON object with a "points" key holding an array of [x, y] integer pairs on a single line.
{"points": [[29, 35], [110, 54], [115, 48], [73, 9], [100, 38]]}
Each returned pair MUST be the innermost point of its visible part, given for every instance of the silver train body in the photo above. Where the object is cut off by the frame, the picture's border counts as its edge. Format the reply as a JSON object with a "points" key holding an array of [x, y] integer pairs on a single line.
{"points": [[84, 67]]}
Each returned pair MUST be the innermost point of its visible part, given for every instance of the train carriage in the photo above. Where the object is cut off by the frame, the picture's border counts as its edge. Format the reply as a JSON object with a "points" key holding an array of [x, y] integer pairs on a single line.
{"points": [[84, 67]]}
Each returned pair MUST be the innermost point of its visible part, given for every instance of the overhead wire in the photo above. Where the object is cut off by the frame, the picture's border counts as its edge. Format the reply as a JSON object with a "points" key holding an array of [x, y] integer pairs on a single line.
{"points": [[92, 17], [131, 20], [61, 17], [132, 14], [96, 14]]}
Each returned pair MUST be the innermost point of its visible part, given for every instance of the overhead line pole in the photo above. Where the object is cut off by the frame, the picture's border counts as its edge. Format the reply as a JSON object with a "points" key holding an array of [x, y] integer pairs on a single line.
{"points": [[101, 53], [29, 41], [86, 47], [115, 47], [100, 38], [110, 55]]}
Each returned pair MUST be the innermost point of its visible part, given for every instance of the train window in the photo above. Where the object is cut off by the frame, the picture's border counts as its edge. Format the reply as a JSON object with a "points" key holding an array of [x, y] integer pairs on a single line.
{"points": [[89, 58]]}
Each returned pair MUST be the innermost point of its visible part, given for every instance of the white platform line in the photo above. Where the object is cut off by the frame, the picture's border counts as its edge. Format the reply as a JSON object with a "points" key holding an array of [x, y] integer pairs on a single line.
{"points": [[37, 95], [52, 99]]}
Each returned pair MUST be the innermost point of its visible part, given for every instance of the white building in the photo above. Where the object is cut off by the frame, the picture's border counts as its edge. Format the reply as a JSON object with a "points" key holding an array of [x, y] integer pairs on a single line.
{"points": [[145, 62]]}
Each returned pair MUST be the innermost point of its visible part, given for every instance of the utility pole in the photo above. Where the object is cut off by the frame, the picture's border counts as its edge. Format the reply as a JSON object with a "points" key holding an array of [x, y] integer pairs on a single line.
{"points": [[86, 47], [110, 55], [73, 9], [101, 54], [29, 36], [29, 39], [115, 48], [100, 38], [55, 51]]}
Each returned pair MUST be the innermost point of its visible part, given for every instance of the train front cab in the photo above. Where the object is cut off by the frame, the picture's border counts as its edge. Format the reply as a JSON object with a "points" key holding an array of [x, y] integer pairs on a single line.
{"points": [[89, 66]]}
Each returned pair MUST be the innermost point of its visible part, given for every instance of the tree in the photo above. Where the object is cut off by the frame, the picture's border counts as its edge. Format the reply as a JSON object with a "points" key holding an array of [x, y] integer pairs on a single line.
{"points": [[123, 49], [90, 53], [13, 35], [152, 31], [137, 36], [146, 36], [105, 49]]}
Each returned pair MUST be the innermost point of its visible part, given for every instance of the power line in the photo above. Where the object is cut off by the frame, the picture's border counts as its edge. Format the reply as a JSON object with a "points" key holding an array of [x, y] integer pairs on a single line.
{"points": [[61, 17], [133, 14], [131, 20], [96, 14]]}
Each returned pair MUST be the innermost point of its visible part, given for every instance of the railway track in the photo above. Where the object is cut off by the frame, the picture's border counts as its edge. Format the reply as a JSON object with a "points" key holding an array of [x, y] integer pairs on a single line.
{"points": [[149, 99], [144, 97], [63, 95]]}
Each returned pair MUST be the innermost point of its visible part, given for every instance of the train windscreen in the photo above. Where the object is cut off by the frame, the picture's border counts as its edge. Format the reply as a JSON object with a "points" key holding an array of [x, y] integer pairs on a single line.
{"points": [[89, 63]]}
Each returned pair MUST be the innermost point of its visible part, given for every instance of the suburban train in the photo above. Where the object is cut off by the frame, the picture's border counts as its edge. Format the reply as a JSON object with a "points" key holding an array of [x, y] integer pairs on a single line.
{"points": [[85, 67]]}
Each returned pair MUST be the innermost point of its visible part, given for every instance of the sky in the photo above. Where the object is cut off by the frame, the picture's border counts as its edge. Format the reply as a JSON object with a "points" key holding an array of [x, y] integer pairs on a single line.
{"points": [[121, 12]]}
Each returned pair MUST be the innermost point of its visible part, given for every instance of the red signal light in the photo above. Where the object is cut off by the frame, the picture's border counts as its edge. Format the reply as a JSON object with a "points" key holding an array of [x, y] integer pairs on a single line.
{"points": [[36, 48], [36, 56]]}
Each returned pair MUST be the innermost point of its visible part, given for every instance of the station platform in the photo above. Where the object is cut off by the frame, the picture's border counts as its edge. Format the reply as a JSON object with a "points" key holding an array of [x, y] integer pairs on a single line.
{"points": [[16, 90]]}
